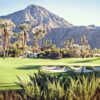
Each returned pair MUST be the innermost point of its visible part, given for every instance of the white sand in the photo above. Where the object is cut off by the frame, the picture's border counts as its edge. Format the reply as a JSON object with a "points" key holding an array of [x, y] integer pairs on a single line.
{"points": [[81, 69], [65, 69], [55, 69], [97, 68]]}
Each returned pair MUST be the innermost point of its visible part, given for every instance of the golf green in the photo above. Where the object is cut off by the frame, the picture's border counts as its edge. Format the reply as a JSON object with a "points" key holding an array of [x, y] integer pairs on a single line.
{"points": [[10, 68]]}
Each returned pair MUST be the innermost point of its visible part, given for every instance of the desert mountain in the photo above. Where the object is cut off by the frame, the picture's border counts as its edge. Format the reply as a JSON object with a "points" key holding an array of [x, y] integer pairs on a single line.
{"points": [[58, 29], [37, 16]]}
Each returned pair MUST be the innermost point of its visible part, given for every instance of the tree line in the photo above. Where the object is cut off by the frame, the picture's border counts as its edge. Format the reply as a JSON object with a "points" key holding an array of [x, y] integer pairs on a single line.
{"points": [[45, 48]]}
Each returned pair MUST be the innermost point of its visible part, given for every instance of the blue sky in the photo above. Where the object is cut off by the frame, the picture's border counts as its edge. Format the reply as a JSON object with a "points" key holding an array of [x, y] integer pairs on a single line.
{"points": [[77, 12]]}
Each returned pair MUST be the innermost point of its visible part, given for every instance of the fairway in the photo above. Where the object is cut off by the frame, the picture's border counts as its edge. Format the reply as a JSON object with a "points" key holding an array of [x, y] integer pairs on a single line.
{"points": [[10, 68]]}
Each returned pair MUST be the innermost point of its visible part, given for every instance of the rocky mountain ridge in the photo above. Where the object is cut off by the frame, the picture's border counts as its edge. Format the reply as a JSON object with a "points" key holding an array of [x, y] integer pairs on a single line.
{"points": [[58, 29]]}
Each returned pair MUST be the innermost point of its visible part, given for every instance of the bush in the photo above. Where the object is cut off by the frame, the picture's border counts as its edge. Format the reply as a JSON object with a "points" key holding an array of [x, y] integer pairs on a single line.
{"points": [[52, 54], [14, 52], [65, 53], [71, 53]]}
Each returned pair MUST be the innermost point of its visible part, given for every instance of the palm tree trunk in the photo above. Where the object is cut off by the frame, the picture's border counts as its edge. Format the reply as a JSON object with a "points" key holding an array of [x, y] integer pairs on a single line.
{"points": [[25, 38], [8, 47], [36, 43], [40, 43], [5, 36]]}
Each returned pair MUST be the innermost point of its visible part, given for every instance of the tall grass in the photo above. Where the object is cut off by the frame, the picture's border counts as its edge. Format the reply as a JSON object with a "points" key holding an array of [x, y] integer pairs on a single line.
{"points": [[44, 86], [12, 95], [84, 88]]}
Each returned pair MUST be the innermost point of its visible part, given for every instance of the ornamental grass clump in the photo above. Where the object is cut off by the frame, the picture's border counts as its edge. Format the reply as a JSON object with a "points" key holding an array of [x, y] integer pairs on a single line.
{"points": [[43, 86]]}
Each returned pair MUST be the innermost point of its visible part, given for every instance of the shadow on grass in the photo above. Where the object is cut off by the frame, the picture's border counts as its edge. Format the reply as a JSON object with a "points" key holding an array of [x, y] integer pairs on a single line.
{"points": [[86, 61], [28, 67]]}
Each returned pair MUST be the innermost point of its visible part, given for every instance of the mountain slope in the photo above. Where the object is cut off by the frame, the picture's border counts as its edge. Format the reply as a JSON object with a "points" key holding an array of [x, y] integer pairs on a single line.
{"points": [[59, 35], [58, 29], [37, 16]]}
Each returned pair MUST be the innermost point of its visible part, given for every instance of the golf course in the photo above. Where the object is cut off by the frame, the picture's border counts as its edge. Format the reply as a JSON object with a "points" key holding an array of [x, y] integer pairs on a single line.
{"points": [[12, 68]]}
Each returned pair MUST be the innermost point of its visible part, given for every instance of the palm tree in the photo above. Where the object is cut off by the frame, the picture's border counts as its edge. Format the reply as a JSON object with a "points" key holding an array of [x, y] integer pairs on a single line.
{"points": [[71, 41], [24, 38], [42, 34], [6, 27], [66, 44], [84, 41], [47, 43], [19, 36], [85, 49], [38, 35]]}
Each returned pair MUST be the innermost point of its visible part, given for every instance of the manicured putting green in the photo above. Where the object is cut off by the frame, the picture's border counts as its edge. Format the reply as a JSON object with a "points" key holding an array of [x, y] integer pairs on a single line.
{"points": [[10, 68]]}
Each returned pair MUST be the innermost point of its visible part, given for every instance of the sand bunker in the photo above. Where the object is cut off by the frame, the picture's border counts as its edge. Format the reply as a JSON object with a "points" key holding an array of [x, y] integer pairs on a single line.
{"points": [[60, 69], [81, 69], [97, 68], [55, 69]]}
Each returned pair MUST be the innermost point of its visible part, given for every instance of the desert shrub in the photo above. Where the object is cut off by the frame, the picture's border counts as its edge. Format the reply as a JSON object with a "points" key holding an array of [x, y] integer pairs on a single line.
{"points": [[52, 53], [71, 53], [65, 53], [77, 51], [44, 86], [14, 52], [85, 53]]}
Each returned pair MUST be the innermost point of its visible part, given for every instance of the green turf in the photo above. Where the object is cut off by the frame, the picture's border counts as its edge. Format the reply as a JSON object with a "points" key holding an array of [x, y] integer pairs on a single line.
{"points": [[10, 68]]}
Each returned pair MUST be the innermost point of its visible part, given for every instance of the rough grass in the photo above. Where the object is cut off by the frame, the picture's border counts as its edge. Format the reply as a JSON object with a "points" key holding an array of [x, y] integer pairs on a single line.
{"points": [[10, 68]]}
